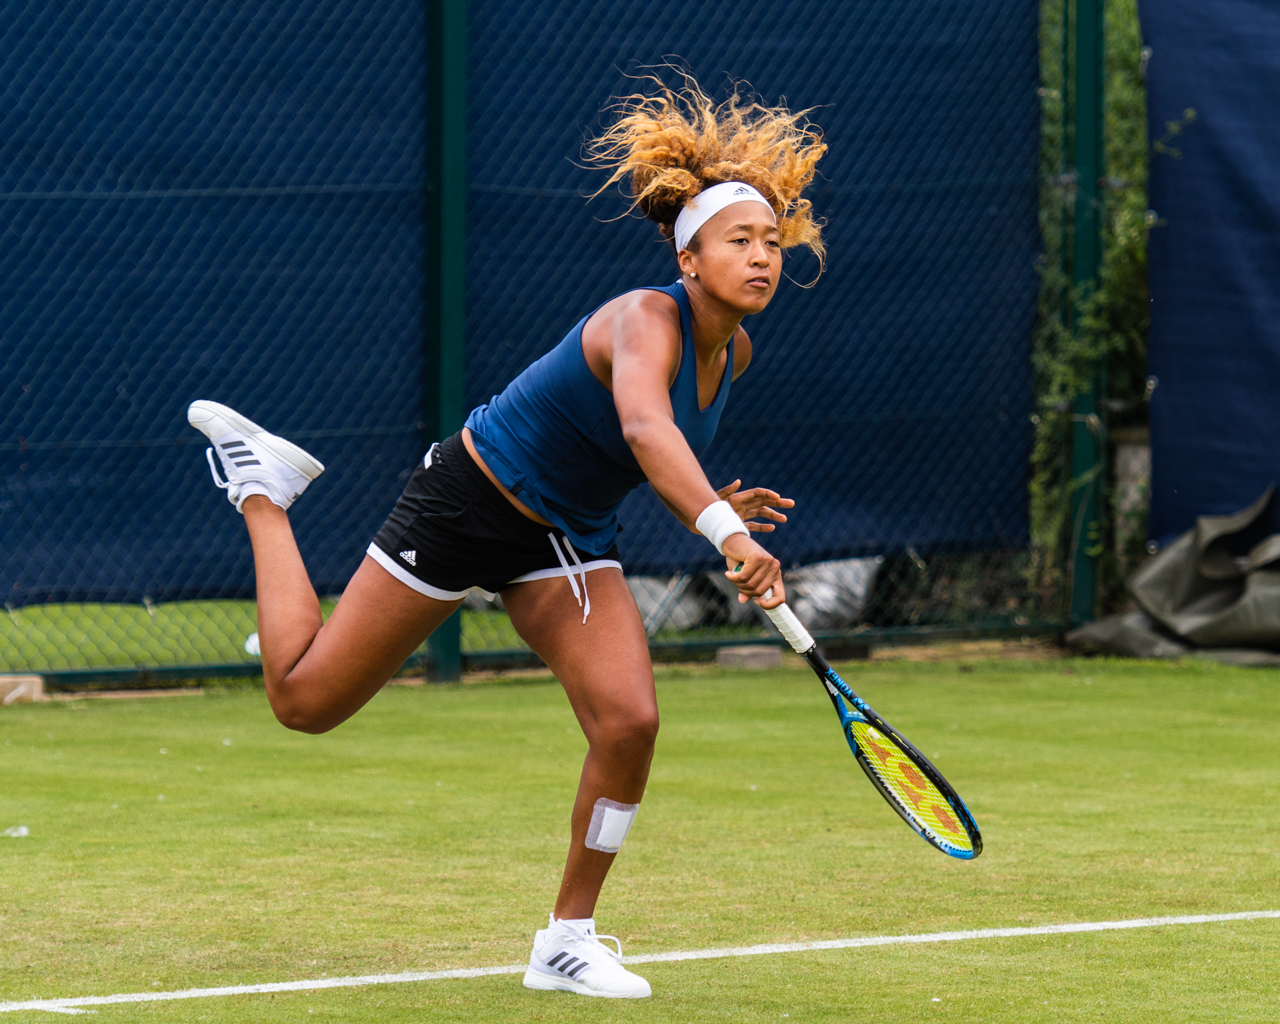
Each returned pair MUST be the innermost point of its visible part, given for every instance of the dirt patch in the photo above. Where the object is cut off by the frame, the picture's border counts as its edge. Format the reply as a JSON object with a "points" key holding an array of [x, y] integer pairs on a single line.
{"points": [[186, 691], [1025, 649]]}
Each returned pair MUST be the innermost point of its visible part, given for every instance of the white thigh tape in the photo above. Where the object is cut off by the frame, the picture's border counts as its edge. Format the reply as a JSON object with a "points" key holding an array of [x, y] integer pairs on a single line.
{"points": [[610, 823]]}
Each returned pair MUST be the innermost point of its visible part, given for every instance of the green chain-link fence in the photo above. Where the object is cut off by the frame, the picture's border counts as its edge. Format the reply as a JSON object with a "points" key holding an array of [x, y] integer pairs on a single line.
{"points": [[234, 206]]}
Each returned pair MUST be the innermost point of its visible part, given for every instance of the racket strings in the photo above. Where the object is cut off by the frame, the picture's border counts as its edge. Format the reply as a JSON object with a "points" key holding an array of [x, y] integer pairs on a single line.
{"points": [[923, 802]]}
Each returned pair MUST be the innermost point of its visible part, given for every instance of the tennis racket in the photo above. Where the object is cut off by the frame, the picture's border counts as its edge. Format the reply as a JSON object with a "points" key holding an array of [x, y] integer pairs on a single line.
{"points": [[903, 776]]}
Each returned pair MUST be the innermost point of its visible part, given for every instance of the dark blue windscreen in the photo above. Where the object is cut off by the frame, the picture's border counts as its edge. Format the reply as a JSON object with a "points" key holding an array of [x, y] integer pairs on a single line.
{"points": [[891, 400], [1214, 257], [225, 201], [202, 201]]}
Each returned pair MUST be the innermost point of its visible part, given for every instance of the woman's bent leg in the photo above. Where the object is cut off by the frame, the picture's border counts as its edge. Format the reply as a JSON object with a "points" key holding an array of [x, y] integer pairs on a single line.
{"points": [[288, 609], [318, 675], [605, 670]]}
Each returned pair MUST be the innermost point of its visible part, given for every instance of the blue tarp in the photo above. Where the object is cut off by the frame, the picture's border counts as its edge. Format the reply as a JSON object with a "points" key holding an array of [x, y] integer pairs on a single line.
{"points": [[892, 400], [225, 202], [199, 200], [1214, 257]]}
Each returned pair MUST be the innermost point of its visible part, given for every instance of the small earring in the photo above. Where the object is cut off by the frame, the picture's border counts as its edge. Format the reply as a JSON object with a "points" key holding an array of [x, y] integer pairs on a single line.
{"points": [[693, 273]]}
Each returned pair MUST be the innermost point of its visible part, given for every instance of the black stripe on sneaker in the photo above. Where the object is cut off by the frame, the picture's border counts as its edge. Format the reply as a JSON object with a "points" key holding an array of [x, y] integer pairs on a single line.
{"points": [[557, 958], [577, 969], [233, 444], [249, 462], [564, 967]]}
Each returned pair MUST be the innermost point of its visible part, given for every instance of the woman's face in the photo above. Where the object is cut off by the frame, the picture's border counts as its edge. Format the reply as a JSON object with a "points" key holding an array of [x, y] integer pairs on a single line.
{"points": [[738, 258]]}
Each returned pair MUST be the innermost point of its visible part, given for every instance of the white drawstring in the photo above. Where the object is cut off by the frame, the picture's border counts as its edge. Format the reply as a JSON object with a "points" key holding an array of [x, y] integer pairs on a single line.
{"points": [[582, 569], [583, 599]]}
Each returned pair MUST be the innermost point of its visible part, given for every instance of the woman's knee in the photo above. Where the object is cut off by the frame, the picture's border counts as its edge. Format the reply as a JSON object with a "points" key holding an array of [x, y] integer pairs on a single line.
{"points": [[300, 718], [629, 731], [294, 710]]}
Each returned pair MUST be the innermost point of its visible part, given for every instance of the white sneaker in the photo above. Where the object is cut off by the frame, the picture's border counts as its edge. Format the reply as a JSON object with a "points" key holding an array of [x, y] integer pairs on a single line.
{"points": [[253, 461], [568, 956]]}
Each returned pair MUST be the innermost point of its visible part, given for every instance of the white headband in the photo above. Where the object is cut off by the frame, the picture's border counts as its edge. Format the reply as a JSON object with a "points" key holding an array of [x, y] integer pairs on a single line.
{"points": [[707, 203]]}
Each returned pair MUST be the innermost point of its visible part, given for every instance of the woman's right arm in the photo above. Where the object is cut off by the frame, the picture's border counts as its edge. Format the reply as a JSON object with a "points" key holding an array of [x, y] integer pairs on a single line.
{"points": [[644, 350]]}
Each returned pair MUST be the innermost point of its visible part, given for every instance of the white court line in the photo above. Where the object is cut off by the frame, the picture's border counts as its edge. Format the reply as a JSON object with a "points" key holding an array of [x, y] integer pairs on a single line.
{"points": [[70, 1005]]}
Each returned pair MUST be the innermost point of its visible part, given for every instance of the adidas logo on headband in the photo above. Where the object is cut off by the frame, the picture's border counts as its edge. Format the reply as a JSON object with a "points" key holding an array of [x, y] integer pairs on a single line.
{"points": [[711, 201]]}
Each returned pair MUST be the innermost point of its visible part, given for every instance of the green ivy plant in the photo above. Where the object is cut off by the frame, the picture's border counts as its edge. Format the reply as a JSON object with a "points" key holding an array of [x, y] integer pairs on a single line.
{"points": [[1108, 329]]}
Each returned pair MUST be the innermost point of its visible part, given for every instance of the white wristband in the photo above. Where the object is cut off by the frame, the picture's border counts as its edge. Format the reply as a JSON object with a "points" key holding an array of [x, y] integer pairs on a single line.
{"points": [[718, 522]]}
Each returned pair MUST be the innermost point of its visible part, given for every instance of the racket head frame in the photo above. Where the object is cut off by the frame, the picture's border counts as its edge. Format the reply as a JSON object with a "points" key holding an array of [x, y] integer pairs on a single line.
{"points": [[857, 710], [839, 691]]}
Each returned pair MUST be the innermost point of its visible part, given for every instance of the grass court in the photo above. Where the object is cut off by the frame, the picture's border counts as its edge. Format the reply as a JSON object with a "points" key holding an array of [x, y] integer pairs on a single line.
{"points": [[170, 635], [191, 841]]}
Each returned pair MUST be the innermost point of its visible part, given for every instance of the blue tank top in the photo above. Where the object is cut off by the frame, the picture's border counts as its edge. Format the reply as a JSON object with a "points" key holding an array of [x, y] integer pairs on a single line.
{"points": [[554, 440]]}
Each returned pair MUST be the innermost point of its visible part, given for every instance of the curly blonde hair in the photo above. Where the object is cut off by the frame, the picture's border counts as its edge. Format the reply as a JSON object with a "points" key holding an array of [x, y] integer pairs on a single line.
{"points": [[675, 143]]}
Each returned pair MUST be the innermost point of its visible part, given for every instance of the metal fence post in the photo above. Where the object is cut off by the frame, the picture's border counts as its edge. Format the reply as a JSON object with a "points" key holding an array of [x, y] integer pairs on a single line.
{"points": [[446, 259], [1088, 445]]}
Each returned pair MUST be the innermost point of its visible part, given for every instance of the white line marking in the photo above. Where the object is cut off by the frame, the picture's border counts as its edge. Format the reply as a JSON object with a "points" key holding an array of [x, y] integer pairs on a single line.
{"points": [[355, 981], [985, 933]]}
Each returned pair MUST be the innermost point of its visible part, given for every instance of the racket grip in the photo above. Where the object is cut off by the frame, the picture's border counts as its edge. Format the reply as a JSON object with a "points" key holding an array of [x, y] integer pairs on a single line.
{"points": [[791, 628]]}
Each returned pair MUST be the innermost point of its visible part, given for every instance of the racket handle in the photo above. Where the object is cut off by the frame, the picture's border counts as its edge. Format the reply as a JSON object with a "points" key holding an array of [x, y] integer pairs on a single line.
{"points": [[788, 625], [791, 628]]}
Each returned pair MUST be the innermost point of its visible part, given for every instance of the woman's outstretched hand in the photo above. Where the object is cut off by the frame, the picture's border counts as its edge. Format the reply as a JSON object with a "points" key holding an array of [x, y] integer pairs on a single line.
{"points": [[754, 572], [757, 503]]}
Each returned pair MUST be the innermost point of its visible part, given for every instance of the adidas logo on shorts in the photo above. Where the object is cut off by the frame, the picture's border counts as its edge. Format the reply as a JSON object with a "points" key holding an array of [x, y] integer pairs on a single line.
{"points": [[411, 557]]}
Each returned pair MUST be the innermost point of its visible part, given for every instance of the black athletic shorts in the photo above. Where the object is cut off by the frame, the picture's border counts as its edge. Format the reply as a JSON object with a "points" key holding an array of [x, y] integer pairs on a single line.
{"points": [[452, 531]]}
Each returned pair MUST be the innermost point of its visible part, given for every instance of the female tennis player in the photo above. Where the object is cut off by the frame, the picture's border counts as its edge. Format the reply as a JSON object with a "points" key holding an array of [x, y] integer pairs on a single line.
{"points": [[523, 501]]}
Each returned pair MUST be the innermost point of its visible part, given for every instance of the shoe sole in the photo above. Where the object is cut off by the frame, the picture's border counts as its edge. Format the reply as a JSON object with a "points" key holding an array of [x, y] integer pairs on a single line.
{"points": [[203, 411], [546, 983]]}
